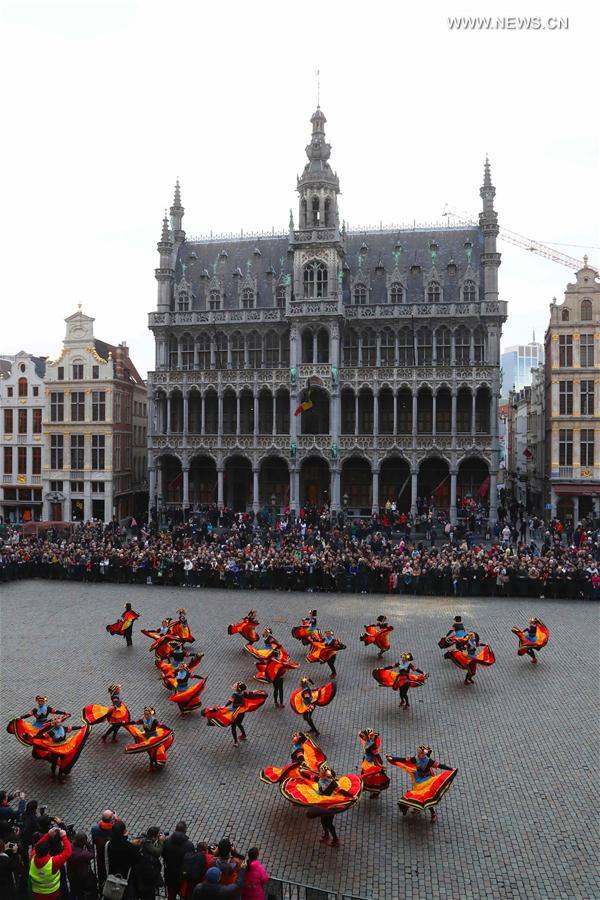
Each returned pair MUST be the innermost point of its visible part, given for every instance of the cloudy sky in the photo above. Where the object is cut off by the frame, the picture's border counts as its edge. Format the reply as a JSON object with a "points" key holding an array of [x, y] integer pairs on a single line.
{"points": [[106, 102]]}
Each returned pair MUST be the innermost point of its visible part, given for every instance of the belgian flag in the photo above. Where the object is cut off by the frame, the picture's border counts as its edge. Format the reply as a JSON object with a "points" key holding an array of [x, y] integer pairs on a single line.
{"points": [[306, 404]]}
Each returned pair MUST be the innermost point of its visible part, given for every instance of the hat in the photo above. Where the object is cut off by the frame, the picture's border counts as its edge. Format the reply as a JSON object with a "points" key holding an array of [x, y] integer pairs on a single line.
{"points": [[407, 656], [381, 618], [213, 875]]}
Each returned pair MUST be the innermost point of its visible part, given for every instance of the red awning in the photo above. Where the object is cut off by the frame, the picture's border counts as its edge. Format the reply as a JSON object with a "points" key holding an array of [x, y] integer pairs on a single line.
{"points": [[581, 490]]}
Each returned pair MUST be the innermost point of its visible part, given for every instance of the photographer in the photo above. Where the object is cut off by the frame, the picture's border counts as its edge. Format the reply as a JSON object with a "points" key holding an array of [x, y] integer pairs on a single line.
{"points": [[228, 861], [8, 813], [147, 872], [195, 864], [10, 870], [174, 849], [45, 865], [100, 835], [122, 855], [82, 880]]}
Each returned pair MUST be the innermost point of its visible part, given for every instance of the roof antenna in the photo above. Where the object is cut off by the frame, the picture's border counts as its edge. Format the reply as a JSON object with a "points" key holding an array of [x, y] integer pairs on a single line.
{"points": [[318, 88]]}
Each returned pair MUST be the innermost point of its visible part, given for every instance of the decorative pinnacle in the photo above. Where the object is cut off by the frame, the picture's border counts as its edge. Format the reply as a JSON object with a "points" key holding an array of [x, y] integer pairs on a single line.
{"points": [[291, 220], [165, 236], [487, 177], [177, 197]]}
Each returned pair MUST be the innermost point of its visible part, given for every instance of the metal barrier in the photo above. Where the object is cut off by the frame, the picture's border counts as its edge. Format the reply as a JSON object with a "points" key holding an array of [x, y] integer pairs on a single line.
{"points": [[293, 890]]}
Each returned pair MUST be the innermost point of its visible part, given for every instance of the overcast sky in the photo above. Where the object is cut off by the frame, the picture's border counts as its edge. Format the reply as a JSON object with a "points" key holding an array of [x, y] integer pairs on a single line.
{"points": [[107, 101]]}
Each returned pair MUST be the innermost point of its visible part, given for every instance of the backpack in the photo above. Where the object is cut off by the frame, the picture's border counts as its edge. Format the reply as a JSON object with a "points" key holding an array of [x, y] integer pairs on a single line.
{"points": [[148, 871]]}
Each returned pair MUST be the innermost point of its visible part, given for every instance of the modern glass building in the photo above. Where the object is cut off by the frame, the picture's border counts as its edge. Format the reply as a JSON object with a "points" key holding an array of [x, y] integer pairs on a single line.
{"points": [[516, 364]]}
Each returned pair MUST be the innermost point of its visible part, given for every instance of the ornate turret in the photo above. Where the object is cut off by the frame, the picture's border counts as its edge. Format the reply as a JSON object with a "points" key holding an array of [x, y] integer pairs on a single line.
{"points": [[177, 212], [165, 273], [488, 222], [318, 185]]}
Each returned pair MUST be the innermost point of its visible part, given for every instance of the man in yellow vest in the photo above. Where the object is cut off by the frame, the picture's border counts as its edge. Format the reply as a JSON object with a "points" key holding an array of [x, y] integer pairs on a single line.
{"points": [[44, 866]]}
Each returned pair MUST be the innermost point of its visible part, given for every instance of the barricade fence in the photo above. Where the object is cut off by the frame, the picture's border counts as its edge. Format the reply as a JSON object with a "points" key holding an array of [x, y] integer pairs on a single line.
{"points": [[278, 889]]}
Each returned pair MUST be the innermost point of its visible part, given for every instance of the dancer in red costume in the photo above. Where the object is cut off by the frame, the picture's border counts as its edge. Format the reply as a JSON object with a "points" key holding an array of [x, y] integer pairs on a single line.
{"points": [[307, 631], [186, 695], [379, 634], [24, 731], [181, 629], [117, 714], [60, 745], [401, 677], [305, 699], [247, 627], [272, 671], [428, 788], [152, 738], [231, 715], [470, 655], [303, 748], [373, 773], [532, 638], [124, 625], [325, 651]]}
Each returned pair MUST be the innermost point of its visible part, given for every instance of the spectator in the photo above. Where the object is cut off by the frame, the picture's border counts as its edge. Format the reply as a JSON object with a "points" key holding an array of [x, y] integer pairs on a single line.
{"points": [[44, 866], [212, 887], [148, 874], [256, 878], [174, 849], [10, 870], [228, 861], [82, 880], [195, 864], [121, 856], [100, 835]]}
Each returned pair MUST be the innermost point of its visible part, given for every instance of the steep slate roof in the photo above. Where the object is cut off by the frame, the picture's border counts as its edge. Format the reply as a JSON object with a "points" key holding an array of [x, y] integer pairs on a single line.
{"points": [[199, 260]]}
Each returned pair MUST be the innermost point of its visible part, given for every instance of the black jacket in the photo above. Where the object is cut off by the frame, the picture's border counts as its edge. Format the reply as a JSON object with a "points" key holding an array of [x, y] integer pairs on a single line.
{"points": [[174, 849]]}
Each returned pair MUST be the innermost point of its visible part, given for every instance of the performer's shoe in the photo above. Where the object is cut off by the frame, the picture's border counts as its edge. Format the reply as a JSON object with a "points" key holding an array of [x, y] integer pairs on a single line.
{"points": [[324, 839], [235, 744], [103, 738], [335, 843], [114, 740], [243, 737], [433, 817], [534, 659]]}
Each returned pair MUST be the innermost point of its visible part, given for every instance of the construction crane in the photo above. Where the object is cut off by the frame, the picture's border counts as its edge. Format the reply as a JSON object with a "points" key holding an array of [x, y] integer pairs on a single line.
{"points": [[519, 240]]}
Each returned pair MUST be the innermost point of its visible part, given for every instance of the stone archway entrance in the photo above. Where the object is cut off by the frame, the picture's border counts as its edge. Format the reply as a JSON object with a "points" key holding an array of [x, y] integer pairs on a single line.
{"points": [[237, 486], [315, 482]]}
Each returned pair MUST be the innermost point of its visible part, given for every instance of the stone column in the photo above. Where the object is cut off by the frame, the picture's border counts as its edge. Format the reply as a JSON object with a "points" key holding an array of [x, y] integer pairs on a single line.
{"points": [[179, 356], [453, 478], [152, 489], [473, 410], [375, 414], [575, 510], [493, 498], [274, 414], [335, 488], [220, 487], [203, 415], [186, 488], [220, 416], [237, 414], [395, 426], [356, 414], [453, 415], [378, 350], [185, 415], [414, 413], [255, 497], [314, 353], [335, 346], [294, 489], [213, 353], [375, 502], [433, 414], [414, 475], [168, 414], [255, 417]]}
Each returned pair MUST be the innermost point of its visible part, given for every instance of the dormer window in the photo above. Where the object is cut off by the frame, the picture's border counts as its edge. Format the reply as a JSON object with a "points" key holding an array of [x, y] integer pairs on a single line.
{"points": [[183, 302], [214, 300], [469, 292], [280, 298], [360, 295], [396, 293], [433, 292], [247, 298], [586, 310]]}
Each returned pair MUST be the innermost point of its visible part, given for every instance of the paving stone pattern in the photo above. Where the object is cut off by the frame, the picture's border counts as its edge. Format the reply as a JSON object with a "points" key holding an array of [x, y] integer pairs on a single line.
{"points": [[519, 821]]}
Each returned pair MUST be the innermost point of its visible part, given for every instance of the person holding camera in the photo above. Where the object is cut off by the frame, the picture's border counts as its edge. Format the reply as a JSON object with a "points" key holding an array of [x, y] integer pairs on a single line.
{"points": [[44, 866], [148, 871], [100, 835], [11, 869]]}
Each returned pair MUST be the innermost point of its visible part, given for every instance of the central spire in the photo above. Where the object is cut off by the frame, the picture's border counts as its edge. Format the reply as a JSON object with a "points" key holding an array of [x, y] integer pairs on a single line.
{"points": [[318, 185]]}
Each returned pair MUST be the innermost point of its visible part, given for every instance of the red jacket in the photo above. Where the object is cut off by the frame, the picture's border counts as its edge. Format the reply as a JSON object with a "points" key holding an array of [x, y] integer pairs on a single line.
{"points": [[57, 861]]}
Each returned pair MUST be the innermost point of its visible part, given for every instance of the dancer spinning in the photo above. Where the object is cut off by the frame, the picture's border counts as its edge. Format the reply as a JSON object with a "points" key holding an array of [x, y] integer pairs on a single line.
{"points": [[181, 629], [232, 714], [307, 631], [117, 714], [41, 712], [373, 774], [59, 744], [187, 696], [152, 738], [272, 671], [325, 651], [533, 638], [379, 634], [247, 627], [401, 677], [124, 625], [470, 655], [457, 635], [304, 751], [428, 788], [305, 699]]}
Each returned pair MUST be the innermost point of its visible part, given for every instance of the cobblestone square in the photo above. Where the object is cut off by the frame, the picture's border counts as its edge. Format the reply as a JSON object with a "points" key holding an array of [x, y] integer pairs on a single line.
{"points": [[520, 820]]}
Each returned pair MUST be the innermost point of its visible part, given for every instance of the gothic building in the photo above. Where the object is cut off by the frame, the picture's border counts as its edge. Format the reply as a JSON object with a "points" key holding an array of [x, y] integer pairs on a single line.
{"points": [[394, 333]]}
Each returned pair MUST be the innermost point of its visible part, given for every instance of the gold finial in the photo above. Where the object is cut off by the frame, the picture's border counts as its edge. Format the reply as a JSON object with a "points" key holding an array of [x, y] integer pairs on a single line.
{"points": [[79, 307]]}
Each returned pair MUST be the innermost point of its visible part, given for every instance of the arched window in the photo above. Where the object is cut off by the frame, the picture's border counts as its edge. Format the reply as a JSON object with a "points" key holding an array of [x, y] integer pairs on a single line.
{"points": [[214, 300], [406, 348], [272, 350], [315, 280], [388, 347], [254, 350], [462, 346], [280, 295], [204, 351], [368, 343], [350, 347], [586, 310], [183, 301], [22, 387], [565, 315], [443, 345], [479, 345], [434, 292], [360, 295], [247, 298], [237, 350], [424, 347], [396, 292], [469, 292], [173, 355], [187, 352], [315, 211]]}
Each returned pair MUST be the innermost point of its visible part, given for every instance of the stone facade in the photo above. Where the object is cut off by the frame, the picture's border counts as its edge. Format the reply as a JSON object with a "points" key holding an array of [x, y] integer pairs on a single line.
{"points": [[21, 441], [392, 334], [572, 399], [92, 392]]}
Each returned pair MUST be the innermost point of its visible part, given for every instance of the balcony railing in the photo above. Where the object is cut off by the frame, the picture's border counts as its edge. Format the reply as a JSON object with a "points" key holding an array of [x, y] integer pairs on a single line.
{"points": [[565, 471]]}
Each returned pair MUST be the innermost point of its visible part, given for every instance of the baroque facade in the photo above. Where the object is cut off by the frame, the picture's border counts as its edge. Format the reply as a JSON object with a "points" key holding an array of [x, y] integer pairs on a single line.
{"points": [[573, 399], [94, 402], [393, 333]]}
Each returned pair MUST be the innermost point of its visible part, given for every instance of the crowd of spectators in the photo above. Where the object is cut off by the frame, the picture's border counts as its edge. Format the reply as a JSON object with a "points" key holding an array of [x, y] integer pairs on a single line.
{"points": [[42, 857], [389, 552]]}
